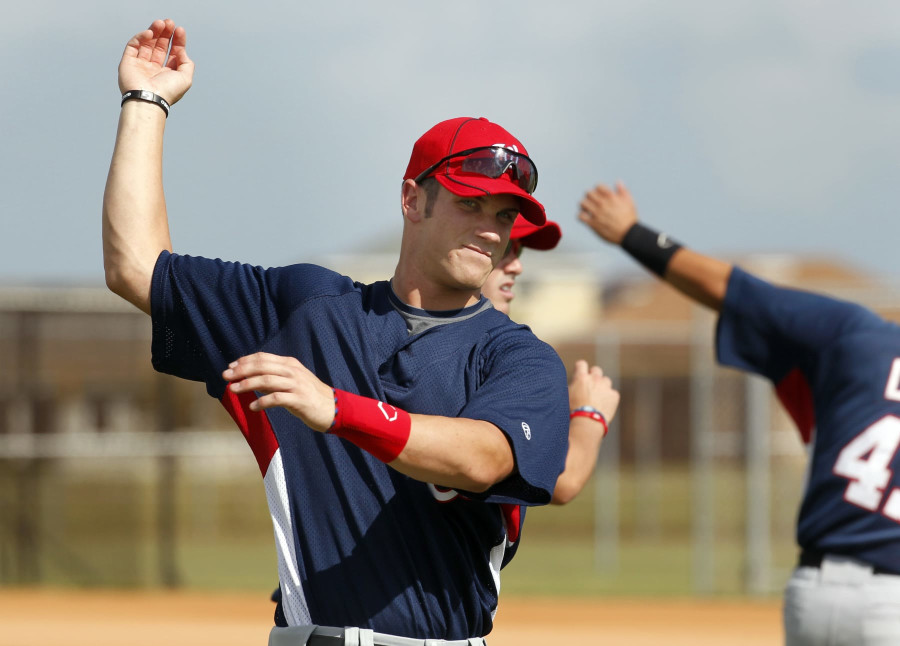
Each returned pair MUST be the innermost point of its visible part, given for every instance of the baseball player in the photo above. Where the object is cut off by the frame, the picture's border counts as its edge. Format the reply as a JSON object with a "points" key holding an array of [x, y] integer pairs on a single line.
{"points": [[401, 427], [590, 392], [836, 368]]}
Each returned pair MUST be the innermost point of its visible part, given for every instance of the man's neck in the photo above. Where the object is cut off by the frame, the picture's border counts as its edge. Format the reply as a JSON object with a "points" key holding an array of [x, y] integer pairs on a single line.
{"points": [[434, 298]]}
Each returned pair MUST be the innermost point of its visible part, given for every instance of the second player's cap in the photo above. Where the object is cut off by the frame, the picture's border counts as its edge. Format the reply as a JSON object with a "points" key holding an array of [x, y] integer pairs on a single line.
{"points": [[472, 157], [542, 237]]}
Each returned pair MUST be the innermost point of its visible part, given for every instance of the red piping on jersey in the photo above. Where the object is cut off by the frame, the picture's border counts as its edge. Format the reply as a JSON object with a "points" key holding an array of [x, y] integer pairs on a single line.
{"points": [[512, 515], [796, 396], [255, 426]]}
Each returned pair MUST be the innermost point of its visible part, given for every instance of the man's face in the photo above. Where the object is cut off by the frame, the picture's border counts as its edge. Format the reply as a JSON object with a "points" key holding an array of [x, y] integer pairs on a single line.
{"points": [[465, 237], [499, 285]]}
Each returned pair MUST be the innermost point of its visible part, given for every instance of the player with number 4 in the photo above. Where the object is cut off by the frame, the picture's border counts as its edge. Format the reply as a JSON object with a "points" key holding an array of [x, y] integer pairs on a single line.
{"points": [[836, 368]]}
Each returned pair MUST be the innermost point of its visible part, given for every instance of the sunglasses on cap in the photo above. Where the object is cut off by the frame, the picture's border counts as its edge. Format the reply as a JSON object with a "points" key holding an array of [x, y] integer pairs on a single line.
{"points": [[492, 162]]}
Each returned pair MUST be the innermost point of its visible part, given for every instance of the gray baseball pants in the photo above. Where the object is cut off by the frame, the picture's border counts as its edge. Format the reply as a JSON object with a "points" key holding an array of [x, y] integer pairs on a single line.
{"points": [[841, 603]]}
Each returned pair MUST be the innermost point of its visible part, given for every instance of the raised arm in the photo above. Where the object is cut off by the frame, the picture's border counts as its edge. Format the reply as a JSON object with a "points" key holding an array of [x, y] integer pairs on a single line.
{"points": [[135, 226], [587, 388], [612, 214]]}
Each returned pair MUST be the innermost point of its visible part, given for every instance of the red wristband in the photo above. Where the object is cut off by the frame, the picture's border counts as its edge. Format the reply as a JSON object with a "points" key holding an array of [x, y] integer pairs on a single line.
{"points": [[376, 427], [594, 414]]}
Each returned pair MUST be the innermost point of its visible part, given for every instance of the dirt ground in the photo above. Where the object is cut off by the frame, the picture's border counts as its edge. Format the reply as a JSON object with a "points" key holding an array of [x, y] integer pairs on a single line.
{"points": [[46, 618]]}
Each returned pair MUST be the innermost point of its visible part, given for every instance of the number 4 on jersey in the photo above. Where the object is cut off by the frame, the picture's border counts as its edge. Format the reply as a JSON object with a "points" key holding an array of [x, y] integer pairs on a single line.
{"points": [[866, 462]]}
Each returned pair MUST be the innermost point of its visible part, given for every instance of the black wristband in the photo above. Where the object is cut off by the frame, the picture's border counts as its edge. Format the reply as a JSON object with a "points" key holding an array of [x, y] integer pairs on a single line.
{"points": [[651, 248], [149, 97]]}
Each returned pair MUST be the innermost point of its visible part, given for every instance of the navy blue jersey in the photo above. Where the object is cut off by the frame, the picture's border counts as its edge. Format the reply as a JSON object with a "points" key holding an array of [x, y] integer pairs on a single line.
{"points": [[358, 543], [836, 368]]}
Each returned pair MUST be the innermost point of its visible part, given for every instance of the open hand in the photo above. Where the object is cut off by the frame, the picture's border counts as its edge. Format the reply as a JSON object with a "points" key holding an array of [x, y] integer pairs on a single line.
{"points": [[610, 212], [147, 63]]}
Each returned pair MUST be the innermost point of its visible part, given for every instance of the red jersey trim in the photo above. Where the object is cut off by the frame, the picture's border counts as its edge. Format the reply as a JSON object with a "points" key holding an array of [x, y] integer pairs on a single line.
{"points": [[512, 515], [256, 427], [796, 397]]}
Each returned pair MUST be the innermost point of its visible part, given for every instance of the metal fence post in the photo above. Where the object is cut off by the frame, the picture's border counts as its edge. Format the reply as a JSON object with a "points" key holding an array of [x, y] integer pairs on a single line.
{"points": [[758, 486], [606, 478], [647, 458], [702, 453]]}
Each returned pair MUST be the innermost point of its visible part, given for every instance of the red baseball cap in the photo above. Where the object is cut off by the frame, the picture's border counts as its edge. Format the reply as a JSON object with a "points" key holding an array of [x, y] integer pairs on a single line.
{"points": [[453, 136], [542, 237]]}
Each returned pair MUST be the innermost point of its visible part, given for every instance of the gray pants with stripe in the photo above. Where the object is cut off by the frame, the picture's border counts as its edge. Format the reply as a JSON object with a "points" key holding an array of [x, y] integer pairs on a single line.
{"points": [[841, 603]]}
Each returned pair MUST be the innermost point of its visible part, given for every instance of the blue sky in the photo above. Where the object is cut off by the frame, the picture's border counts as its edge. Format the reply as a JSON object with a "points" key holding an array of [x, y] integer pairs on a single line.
{"points": [[746, 126]]}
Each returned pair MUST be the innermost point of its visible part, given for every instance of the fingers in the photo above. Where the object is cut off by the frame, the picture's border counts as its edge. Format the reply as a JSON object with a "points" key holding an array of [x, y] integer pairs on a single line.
{"points": [[580, 379], [153, 43], [594, 201], [598, 381], [133, 45], [599, 194], [160, 50], [593, 197], [280, 378], [146, 40], [271, 400], [582, 370], [610, 212], [590, 387], [262, 363], [285, 383], [178, 57], [602, 191], [263, 383]]}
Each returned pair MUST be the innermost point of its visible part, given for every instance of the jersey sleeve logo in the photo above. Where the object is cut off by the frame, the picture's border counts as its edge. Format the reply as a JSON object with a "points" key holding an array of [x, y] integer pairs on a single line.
{"points": [[527, 430]]}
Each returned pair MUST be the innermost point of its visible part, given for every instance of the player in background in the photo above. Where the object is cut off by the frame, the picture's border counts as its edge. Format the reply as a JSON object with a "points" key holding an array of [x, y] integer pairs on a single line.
{"points": [[399, 426], [835, 366], [589, 389]]}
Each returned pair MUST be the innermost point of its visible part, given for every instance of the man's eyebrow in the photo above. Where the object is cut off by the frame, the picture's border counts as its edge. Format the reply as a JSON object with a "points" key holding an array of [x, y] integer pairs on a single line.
{"points": [[481, 199]]}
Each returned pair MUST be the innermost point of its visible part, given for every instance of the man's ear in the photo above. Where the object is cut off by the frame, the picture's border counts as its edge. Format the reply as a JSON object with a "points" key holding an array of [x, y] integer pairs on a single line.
{"points": [[412, 201]]}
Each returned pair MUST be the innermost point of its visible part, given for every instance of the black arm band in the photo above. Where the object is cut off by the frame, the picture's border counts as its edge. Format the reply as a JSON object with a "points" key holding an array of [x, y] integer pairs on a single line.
{"points": [[651, 248], [149, 97]]}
